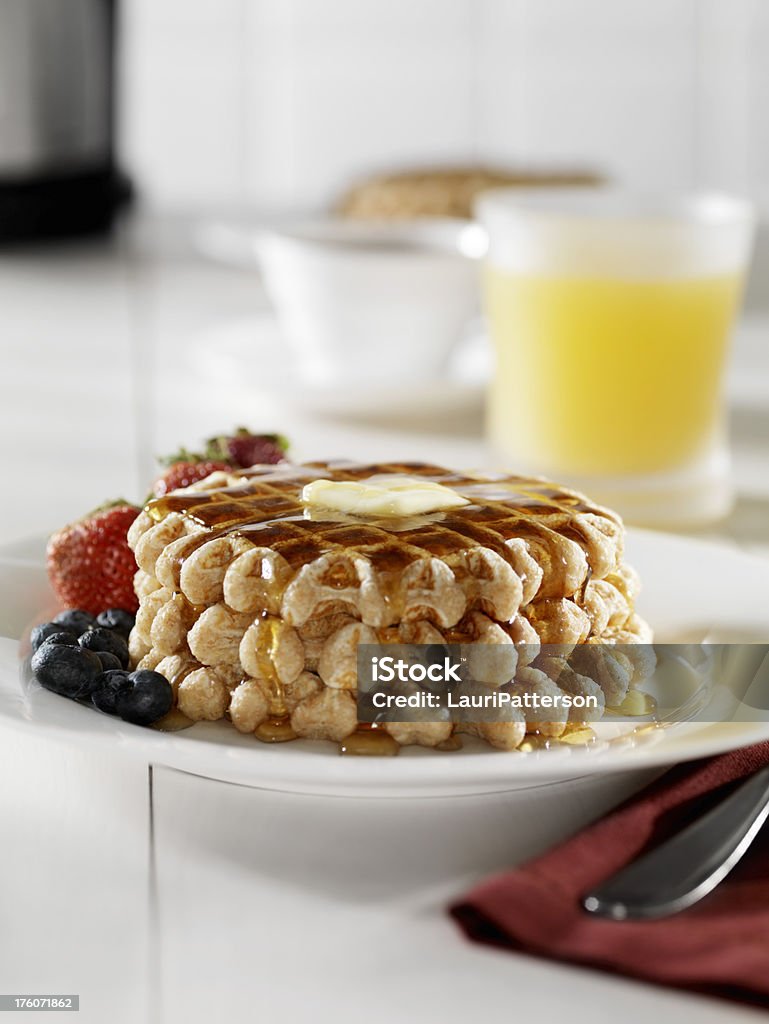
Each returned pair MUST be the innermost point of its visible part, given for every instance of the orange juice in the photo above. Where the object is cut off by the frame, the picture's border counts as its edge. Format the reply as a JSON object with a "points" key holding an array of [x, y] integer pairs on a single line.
{"points": [[601, 375]]}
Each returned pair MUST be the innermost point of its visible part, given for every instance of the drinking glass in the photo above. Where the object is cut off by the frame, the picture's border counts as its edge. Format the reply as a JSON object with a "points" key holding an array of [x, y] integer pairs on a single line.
{"points": [[610, 315]]}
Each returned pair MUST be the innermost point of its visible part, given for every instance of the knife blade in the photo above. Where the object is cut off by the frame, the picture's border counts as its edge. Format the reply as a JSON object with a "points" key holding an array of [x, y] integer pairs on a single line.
{"points": [[682, 870]]}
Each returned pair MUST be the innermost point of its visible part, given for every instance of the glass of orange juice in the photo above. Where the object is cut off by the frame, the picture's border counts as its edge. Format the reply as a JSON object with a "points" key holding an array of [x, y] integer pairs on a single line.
{"points": [[610, 317]]}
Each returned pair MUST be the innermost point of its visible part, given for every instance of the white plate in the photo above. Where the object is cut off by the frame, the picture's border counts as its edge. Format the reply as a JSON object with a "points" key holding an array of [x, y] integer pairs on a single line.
{"points": [[690, 587]]}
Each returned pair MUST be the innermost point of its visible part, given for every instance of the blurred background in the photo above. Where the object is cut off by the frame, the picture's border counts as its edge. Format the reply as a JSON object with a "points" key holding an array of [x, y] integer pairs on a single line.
{"points": [[188, 125], [284, 103]]}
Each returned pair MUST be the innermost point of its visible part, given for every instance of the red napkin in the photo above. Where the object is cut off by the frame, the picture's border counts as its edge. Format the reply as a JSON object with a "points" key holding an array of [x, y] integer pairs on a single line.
{"points": [[719, 946]]}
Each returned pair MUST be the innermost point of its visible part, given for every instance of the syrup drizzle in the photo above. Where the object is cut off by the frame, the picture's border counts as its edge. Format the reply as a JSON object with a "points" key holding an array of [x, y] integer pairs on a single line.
{"points": [[266, 509], [276, 729], [369, 741], [174, 721]]}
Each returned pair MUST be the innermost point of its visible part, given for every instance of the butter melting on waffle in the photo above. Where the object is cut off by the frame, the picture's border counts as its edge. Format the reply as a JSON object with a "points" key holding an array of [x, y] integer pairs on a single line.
{"points": [[253, 600]]}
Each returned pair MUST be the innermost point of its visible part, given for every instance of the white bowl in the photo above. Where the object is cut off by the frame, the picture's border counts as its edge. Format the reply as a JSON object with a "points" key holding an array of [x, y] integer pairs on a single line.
{"points": [[363, 301]]}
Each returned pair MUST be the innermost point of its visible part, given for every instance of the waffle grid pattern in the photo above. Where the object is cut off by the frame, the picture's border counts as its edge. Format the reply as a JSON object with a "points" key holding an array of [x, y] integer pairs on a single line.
{"points": [[525, 562]]}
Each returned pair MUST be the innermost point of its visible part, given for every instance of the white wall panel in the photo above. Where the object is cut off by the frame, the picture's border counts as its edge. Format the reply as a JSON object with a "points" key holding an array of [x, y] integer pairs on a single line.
{"points": [[183, 100], [604, 85], [280, 102], [339, 88], [758, 102], [724, 115]]}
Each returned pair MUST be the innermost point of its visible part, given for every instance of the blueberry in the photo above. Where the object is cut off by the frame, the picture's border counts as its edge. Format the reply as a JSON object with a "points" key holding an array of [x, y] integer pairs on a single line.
{"points": [[60, 639], [41, 633], [65, 669], [149, 698], [109, 686], [118, 619], [88, 689], [99, 639], [73, 620], [108, 661]]}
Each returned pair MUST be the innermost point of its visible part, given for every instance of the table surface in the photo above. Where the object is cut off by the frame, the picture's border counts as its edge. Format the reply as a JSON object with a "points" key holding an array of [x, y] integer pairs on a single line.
{"points": [[141, 888]]}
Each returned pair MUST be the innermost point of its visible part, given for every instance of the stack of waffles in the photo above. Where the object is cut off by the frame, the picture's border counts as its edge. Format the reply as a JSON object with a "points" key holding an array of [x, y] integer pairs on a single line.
{"points": [[253, 604]]}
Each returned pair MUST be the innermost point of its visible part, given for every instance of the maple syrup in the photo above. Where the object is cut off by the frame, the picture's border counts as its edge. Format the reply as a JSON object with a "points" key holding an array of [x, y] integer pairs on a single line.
{"points": [[533, 742], [577, 734], [178, 677], [265, 508], [174, 721], [636, 704], [369, 741], [450, 744], [192, 611], [276, 729]]}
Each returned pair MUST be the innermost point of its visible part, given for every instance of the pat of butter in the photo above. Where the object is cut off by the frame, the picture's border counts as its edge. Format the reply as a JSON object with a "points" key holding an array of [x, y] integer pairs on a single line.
{"points": [[382, 496]]}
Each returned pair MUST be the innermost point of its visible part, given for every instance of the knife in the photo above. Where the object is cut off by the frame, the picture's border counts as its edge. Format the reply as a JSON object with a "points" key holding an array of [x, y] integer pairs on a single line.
{"points": [[687, 867]]}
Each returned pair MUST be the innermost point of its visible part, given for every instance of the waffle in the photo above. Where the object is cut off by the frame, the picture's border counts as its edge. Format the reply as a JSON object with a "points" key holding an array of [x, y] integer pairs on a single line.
{"points": [[253, 605], [446, 192]]}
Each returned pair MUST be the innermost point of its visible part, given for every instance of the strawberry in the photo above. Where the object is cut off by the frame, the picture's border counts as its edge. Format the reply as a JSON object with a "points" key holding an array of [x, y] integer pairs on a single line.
{"points": [[244, 448], [90, 564], [185, 473], [229, 451]]}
